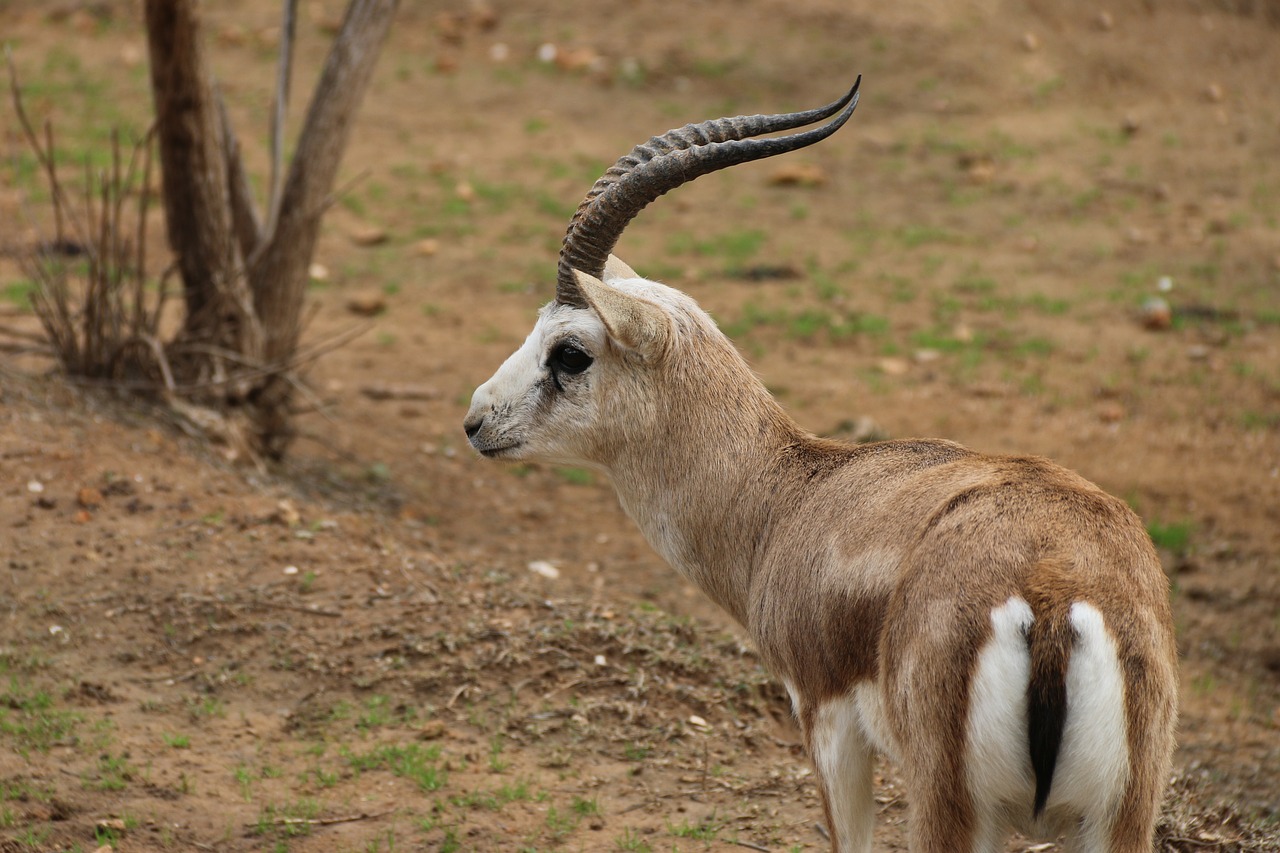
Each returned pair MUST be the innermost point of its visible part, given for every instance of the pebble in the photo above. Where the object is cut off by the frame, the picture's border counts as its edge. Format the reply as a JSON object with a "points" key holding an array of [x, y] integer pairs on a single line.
{"points": [[89, 498], [544, 568], [367, 304], [798, 175], [1156, 314], [1030, 42], [370, 235]]}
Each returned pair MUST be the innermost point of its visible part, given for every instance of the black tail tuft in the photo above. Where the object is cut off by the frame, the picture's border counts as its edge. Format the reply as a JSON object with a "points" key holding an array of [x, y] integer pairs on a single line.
{"points": [[1050, 640]]}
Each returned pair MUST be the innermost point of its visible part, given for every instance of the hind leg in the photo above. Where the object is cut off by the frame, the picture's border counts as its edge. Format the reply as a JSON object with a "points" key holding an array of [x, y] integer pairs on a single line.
{"points": [[843, 757]]}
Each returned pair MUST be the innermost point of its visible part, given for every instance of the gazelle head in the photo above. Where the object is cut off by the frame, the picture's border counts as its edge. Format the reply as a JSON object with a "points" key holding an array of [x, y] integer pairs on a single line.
{"points": [[583, 382]]}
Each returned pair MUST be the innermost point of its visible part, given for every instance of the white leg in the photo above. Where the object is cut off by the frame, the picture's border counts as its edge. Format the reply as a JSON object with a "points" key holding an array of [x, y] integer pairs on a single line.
{"points": [[843, 758]]}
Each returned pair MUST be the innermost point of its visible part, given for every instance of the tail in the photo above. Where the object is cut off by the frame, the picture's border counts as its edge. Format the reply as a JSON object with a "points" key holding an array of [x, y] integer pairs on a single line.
{"points": [[1050, 638]]}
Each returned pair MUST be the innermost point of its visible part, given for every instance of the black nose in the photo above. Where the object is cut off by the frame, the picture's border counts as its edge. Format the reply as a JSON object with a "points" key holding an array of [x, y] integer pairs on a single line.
{"points": [[473, 427]]}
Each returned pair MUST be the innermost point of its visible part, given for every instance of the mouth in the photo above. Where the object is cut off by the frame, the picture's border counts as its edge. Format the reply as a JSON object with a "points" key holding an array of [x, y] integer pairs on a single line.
{"points": [[497, 452]]}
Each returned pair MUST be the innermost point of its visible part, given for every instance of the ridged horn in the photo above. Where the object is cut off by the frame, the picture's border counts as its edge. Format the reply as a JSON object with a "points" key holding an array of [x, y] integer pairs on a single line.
{"points": [[668, 161]]}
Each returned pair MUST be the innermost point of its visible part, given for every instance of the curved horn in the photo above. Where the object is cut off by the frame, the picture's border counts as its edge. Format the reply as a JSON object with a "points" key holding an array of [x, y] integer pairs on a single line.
{"points": [[664, 163]]}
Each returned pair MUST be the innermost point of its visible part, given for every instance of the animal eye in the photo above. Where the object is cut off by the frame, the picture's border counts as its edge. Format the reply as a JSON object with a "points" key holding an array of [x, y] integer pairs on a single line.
{"points": [[567, 358]]}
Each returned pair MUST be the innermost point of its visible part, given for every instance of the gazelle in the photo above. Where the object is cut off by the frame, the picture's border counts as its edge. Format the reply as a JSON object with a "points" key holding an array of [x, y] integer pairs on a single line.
{"points": [[997, 625]]}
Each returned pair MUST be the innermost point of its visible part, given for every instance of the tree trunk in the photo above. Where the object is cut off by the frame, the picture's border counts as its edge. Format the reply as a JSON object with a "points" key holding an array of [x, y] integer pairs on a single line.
{"points": [[197, 210], [245, 282]]}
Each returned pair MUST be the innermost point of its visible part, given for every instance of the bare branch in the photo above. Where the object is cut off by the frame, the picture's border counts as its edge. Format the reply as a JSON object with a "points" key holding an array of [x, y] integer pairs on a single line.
{"points": [[278, 279], [44, 155], [244, 213], [279, 112]]}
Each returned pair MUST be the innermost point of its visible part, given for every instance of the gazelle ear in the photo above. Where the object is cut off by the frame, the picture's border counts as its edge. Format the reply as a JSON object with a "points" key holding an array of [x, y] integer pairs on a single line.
{"points": [[635, 323], [615, 268]]}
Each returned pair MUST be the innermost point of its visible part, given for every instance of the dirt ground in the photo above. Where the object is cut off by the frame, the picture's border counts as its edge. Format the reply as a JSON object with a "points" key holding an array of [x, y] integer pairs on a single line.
{"points": [[387, 643]]}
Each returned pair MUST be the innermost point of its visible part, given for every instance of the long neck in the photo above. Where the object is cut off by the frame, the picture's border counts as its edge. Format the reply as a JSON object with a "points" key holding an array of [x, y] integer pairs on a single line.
{"points": [[700, 486]]}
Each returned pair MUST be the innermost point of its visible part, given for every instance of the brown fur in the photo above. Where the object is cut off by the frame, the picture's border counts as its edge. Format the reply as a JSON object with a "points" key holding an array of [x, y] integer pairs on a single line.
{"points": [[876, 564]]}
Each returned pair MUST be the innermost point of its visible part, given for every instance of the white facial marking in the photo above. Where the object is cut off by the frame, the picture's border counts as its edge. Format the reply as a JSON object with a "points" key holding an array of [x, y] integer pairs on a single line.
{"points": [[526, 412]]}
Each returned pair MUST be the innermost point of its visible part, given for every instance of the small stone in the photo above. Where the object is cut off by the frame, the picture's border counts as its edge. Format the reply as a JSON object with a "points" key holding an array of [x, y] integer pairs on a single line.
{"points": [[131, 56], [544, 568], [465, 191], [287, 514], [367, 304], [483, 16], [427, 248], [111, 824], [35, 487], [1030, 42], [1110, 413], [893, 366], [578, 59], [82, 517], [798, 175], [369, 235], [1104, 21], [1213, 92], [1156, 314], [1197, 352], [318, 272], [89, 498], [1129, 125], [431, 730]]}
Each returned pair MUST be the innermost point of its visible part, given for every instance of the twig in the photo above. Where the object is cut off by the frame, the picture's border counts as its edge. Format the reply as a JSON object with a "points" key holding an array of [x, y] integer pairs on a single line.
{"points": [[314, 611], [23, 334], [279, 109], [750, 846], [1193, 841], [45, 157], [324, 821]]}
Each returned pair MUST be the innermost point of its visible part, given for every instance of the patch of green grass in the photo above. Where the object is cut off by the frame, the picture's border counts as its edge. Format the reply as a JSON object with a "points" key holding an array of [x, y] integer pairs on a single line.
{"points": [[177, 741], [30, 721], [113, 773], [736, 247], [705, 831], [576, 476], [560, 824], [586, 808], [497, 763], [631, 842], [244, 778], [636, 752], [19, 292], [913, 236], [375, 713], [291, 820], [1174, 536], [412, 762], [207, 706], [1252, 420]]}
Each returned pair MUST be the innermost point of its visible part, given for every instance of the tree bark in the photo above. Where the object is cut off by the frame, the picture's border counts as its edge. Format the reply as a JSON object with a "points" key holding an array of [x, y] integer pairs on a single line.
{"points": [[279, 277], [189, 131]]}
